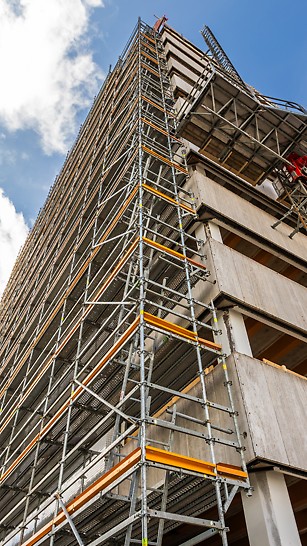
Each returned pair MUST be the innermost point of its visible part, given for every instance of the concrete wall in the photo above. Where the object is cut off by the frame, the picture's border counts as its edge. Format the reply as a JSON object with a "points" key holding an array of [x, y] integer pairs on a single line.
{"points": [[179, 83], [273, 408], [245, 214], [178, 44], [255, 286], [187, 56]]}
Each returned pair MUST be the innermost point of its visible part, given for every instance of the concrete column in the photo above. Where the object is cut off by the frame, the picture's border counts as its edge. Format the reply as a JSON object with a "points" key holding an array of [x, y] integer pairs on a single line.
{"points": [[210, 229], [214, 231], [268, 512], [234, 335]]}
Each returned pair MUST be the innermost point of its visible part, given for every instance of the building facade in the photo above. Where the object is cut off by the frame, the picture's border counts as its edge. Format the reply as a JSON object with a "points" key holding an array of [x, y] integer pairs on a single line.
{"points": [[153, 331]]}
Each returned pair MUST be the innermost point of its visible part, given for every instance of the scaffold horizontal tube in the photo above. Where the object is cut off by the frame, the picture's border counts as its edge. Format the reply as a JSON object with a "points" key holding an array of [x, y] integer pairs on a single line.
{"points": [[172, 252], [190, 520], [164, 159], [179, 330], [167, 198]]}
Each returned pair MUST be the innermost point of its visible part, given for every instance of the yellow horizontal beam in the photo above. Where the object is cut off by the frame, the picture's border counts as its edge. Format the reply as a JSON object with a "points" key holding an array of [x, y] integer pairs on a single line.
{"points": [[149, 57], [159, 129], [147, 67], [168, 326], [148, 47], [165, 160], [168, 199], [176, 460], [153, 103], [172, 252], [156, 455], [230, 471], [148, 37]]}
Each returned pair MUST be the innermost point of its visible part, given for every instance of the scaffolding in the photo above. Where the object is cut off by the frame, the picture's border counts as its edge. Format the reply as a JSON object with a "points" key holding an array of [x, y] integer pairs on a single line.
{"points": [[106, 342], [221, 57], [234, 125], [249, 134], [294, 194]]}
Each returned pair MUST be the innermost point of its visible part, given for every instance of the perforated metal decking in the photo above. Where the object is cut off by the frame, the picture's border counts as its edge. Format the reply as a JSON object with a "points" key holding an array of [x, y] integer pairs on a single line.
{"points": [[103, 335]]}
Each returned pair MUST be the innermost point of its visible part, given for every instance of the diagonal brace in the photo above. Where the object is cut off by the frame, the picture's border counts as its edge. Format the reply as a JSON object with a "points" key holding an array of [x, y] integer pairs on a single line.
{"points": [[103, 401], [70, 521]]}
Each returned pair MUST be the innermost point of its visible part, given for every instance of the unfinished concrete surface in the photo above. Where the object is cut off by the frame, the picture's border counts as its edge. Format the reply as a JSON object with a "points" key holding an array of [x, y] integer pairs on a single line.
{"points": [[269, 514], [253, 285], [249, 219]]}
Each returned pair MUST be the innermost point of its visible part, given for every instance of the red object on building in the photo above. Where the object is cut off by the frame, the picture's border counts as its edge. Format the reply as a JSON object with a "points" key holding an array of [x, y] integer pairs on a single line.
{"points": [[159, 23], [298, 169]]}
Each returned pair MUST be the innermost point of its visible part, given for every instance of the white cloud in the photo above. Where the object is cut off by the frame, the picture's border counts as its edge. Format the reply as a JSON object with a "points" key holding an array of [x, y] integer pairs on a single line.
{"points": [[47, 70], [7, 156], [13, 232]]}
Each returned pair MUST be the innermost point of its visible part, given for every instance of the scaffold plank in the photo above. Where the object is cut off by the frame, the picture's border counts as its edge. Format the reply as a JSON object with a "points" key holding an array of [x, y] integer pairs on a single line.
{"points": [[159, 129], [148, 46], [147, 37], [157, 106], [147, 67], [149, 57]]}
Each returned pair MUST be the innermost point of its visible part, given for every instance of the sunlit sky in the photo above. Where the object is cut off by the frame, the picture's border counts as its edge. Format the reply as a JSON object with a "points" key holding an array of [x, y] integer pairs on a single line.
{"points": [[54, 56]]}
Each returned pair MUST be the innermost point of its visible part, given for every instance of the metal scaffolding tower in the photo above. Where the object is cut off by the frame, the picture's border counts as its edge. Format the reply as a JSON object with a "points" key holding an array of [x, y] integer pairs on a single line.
{"points": [[108, 336]]}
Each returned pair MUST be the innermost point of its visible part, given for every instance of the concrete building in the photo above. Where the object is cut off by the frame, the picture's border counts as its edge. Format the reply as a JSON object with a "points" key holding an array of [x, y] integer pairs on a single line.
{"points": [[153, 332]]}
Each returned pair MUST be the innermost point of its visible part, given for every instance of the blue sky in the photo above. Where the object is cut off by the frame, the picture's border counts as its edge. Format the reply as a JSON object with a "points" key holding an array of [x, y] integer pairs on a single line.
{"points": [[54, 58]]}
